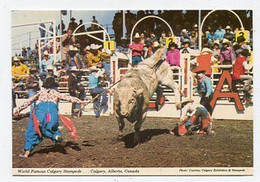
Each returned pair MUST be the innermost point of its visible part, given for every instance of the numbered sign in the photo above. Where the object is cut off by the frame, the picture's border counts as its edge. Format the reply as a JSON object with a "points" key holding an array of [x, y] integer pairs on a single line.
{"points": [[244, 33], [169, 40], [110, 45]]}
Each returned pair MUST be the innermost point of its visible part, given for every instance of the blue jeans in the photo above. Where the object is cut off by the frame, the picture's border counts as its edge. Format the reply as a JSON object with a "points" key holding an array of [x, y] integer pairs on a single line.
{"points": [[106, 66], [49, 128], [136, 60], [100, 101]]}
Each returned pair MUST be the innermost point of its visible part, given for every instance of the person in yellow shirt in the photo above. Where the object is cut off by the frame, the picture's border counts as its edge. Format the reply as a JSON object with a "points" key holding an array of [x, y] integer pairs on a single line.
{"points": [[93, 57], [19, 71]]}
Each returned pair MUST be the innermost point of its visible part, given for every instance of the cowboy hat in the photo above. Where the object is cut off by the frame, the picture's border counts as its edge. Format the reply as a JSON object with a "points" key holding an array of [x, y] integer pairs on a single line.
{"points": [[87, 48], [73, 68], [225, 41], [16, 59], [180, 104], [195, 26], [45, 53], [93, 47], [75, 49], [228, 27], [137, 36], [72, 19], [49, 67], [184, 31], [156, 44], [216, 42], [71, 48]]}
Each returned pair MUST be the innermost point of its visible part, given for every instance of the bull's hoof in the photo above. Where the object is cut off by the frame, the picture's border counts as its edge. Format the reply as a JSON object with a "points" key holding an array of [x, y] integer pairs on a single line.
{"points": [[158, 107]]}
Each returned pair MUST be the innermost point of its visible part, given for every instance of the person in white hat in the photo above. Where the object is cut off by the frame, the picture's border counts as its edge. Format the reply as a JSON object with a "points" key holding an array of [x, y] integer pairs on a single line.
{"points": [[51, 71], [93, 57], [96, 87], [193, 114], [19, 70], [137, 49], [229, 34], [227, 53], [184, 35], [47, 60], [87, 48]]}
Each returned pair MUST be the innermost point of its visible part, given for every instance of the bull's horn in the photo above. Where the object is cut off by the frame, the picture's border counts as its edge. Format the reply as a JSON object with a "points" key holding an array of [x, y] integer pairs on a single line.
{"points": [[158, 54]]}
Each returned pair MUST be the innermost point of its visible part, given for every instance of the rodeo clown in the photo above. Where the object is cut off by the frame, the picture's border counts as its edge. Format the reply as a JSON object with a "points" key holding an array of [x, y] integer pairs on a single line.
{"points": [[195, 117], [43, 122]]}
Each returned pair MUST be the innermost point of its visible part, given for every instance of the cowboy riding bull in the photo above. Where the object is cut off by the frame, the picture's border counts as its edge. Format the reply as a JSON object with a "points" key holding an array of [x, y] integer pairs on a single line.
{"points": [[135, 90]]}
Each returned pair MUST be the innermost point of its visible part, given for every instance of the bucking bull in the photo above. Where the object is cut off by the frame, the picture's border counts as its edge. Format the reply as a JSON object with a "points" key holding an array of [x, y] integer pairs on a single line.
{"points": [[134, 91]]}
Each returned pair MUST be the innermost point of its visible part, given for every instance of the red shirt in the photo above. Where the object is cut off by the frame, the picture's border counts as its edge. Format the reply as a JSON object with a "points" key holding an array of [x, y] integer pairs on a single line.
{"points": [[204, 61], [238, 68], [137, 49]]}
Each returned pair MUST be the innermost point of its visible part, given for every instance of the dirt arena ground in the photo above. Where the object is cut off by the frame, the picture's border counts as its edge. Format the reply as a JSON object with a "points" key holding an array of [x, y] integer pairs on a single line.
{"points": [[231, 146]]}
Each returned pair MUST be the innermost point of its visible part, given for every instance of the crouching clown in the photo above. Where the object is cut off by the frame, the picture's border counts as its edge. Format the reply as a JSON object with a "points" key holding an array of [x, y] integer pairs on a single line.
{"points": [[195, 117], [44, 122]]}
